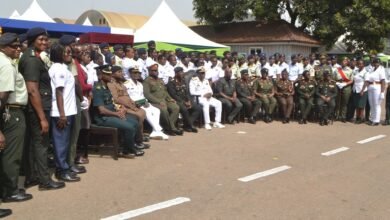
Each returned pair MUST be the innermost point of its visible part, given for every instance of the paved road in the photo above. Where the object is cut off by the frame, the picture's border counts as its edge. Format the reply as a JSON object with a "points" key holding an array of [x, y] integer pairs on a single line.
{"points": [[204, 168]]}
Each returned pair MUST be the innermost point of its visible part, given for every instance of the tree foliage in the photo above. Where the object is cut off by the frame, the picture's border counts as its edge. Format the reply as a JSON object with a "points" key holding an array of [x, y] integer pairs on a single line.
{"points": [[364, 23]]}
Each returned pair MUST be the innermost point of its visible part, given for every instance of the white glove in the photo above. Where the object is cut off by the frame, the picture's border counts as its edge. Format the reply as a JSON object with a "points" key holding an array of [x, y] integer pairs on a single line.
{"points": [[382, 96], [340, 85], [84, 104]]}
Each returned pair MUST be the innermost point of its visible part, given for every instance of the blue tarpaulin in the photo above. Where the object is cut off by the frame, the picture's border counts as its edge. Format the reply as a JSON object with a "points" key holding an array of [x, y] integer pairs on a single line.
{"points": [[54, 29]]}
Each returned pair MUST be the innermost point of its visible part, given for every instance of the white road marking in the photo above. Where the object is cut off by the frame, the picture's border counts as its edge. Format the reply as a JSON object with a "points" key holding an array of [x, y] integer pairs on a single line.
{"points": [[335, 151], [241, 132], [264, 173], [148, 209], [371, 139]]}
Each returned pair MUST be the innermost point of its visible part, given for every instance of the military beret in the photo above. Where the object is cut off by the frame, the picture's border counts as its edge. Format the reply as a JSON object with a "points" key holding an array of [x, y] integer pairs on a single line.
{"points": [[244, 71], [115, 69], [103, 45], [178, 50], [250, 57], [178, 69], [264, 71], [22, 37], [67, 40], [118, 47], [108, 57], [107, 69], [277, 54], [151, 42], [141, 51], [262, 57], [35, 32], [333, 57], [134, 69], [8, 38], [271, 58], [293, 56], [201, 70]]}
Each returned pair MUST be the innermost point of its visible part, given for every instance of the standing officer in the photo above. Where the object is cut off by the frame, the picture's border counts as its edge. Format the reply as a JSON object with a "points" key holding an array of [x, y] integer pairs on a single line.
{"points": [[247, 97], [39, 90], [108, 116], [179, 91], [306, 89], [326, 91], [264, 90], [324, 66], [344, 78], [13, 100], [156, 93], [227, 94]]}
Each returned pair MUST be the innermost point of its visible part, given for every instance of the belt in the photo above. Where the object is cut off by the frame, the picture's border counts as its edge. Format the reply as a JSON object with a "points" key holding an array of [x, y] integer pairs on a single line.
{"points": [[375, 82], [14, 106]]}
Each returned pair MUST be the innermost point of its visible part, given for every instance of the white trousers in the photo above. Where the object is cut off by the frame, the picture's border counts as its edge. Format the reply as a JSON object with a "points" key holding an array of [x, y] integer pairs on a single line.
{"points": [[206, 103], [153, 117], [374, 92]]}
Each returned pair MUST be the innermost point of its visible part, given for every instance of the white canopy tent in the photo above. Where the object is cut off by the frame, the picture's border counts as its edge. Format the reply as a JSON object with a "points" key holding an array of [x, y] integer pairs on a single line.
{"points": [[87, 22], [35, 13], [165, 26], [14, 15]]}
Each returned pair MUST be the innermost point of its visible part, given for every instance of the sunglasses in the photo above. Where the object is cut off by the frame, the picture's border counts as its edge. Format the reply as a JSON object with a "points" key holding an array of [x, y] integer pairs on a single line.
{"points": [[15, 46]]}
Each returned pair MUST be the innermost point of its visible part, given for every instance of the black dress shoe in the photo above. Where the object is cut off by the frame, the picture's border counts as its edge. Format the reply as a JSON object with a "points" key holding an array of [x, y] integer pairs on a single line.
{"points": [[194, 130], [51, 185], [137, 153], [301, 122], [146, 139], [5, 212], [142, 146], [304, 121], [20, 197], [68, 177], [77, 169], [170, 133], [252, 120], [126, 155], [187, 129], [30, 183], [178, 132]]}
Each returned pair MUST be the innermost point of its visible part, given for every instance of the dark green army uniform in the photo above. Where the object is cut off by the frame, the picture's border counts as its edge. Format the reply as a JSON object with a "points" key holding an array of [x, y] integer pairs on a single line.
{"points": [[13, 125], [306, 91], [178, 90], [344, 94], [33, 69], [323, 68], [102, 97], [327, 89], [265, 87], [228, 87], [156, 93], [244, 91]]}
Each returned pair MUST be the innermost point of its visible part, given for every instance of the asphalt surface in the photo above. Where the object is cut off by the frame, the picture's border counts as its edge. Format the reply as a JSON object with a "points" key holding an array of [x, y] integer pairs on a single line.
{"points": [[205, 168]]}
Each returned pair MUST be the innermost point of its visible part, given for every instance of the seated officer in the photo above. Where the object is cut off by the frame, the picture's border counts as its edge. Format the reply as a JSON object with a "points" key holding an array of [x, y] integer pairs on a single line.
{"points": [[110, 117], [178, 90], [326, 92], [122, 100], [227, 94], [305, 90], [264, 90], [284, 94], [247, 97], [156, 93]]}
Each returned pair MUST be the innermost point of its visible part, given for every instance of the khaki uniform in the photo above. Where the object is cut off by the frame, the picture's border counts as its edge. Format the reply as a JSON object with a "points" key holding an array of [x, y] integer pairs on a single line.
{"points": [[156, 93], [13, 125], [306, 91], [284, 95], [120, 95]]}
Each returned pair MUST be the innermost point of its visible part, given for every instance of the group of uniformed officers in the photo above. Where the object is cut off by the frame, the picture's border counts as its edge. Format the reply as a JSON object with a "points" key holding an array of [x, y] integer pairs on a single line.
{"points": [[50, 94]]}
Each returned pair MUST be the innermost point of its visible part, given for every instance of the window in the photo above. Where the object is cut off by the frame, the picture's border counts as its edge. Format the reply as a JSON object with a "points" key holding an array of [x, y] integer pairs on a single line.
{"points": [[255, 50]]}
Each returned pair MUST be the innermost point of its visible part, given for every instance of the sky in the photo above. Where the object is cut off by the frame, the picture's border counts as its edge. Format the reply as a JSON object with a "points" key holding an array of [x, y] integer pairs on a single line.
{"points": [[72, 9]]}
